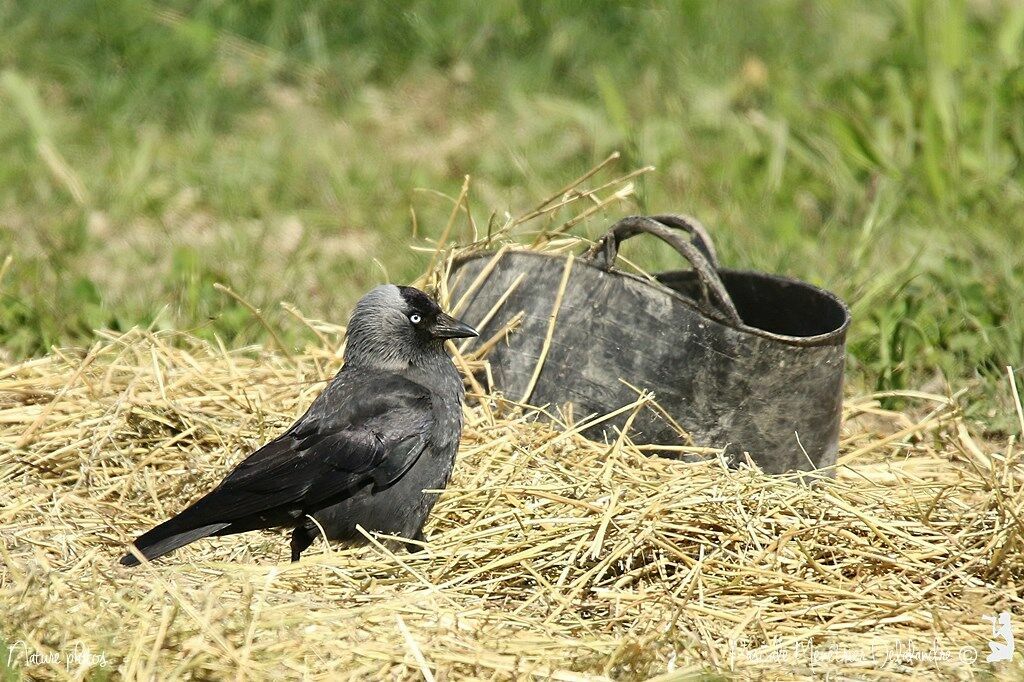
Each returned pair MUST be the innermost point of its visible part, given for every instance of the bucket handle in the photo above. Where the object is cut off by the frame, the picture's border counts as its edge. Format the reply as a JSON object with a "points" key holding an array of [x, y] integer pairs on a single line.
{"points": [[698, 250]]}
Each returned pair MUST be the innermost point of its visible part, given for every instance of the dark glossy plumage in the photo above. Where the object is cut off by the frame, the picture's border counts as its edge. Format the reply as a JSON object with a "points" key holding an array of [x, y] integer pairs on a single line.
{"points": [[383, 431]]}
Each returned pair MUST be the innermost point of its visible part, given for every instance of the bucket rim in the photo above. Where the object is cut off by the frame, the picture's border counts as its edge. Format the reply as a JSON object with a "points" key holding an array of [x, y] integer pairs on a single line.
{"points": [[824, 339]]}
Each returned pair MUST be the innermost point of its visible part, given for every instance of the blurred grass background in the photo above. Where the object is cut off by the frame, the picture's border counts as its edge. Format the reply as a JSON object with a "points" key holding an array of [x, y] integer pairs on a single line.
{"points": [[149, 150]]}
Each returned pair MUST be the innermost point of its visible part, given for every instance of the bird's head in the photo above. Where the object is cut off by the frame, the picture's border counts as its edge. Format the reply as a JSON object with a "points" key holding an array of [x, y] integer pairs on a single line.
{"points": [[392, 326]]}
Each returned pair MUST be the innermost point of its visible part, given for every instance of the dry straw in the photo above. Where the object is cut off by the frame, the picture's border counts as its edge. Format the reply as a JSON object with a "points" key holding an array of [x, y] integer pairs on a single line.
{"points": [[550, 556]]}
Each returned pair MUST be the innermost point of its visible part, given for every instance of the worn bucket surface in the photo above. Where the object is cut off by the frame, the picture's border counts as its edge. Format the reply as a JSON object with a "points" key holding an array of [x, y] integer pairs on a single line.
{"points": [[764, 377]]}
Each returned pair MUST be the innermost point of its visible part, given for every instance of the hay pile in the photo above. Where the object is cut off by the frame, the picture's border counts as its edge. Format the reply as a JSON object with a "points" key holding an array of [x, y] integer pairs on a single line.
{"points": [[550, 556]]}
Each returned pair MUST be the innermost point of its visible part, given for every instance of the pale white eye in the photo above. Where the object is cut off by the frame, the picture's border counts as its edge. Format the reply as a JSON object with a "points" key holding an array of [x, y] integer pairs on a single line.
{"points": [[415, 318]]}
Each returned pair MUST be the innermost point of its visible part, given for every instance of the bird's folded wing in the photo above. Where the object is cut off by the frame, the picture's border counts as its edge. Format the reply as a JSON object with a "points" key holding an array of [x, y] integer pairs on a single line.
{"points": [[361, 430]]}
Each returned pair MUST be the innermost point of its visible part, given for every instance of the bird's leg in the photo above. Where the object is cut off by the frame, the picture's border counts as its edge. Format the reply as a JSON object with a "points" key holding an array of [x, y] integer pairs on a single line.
{"points": [[301, 539], [412, 546]]}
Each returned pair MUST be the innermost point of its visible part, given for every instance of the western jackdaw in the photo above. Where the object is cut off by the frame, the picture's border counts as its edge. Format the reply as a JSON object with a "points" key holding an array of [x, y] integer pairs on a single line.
{"points": [[385, 429]]}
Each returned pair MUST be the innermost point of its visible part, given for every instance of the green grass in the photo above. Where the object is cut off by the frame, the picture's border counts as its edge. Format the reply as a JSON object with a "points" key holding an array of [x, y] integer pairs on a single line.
{"points": [[150, 150]]}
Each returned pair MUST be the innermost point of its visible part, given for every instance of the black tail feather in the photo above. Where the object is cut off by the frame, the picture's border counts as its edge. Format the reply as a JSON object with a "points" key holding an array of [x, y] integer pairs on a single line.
{"points": [[158, 542]]}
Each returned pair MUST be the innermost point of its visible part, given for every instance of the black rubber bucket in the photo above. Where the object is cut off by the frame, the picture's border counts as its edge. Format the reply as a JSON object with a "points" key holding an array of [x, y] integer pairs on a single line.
{"points": [[744, 361]]}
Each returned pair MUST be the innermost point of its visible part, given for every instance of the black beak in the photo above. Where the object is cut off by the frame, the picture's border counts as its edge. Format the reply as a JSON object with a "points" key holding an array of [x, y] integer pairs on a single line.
{"points": [[447, 327]]}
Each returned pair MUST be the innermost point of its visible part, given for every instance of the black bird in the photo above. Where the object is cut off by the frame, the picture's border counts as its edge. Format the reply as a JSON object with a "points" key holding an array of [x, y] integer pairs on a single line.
{"points": [[385, 429]]}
